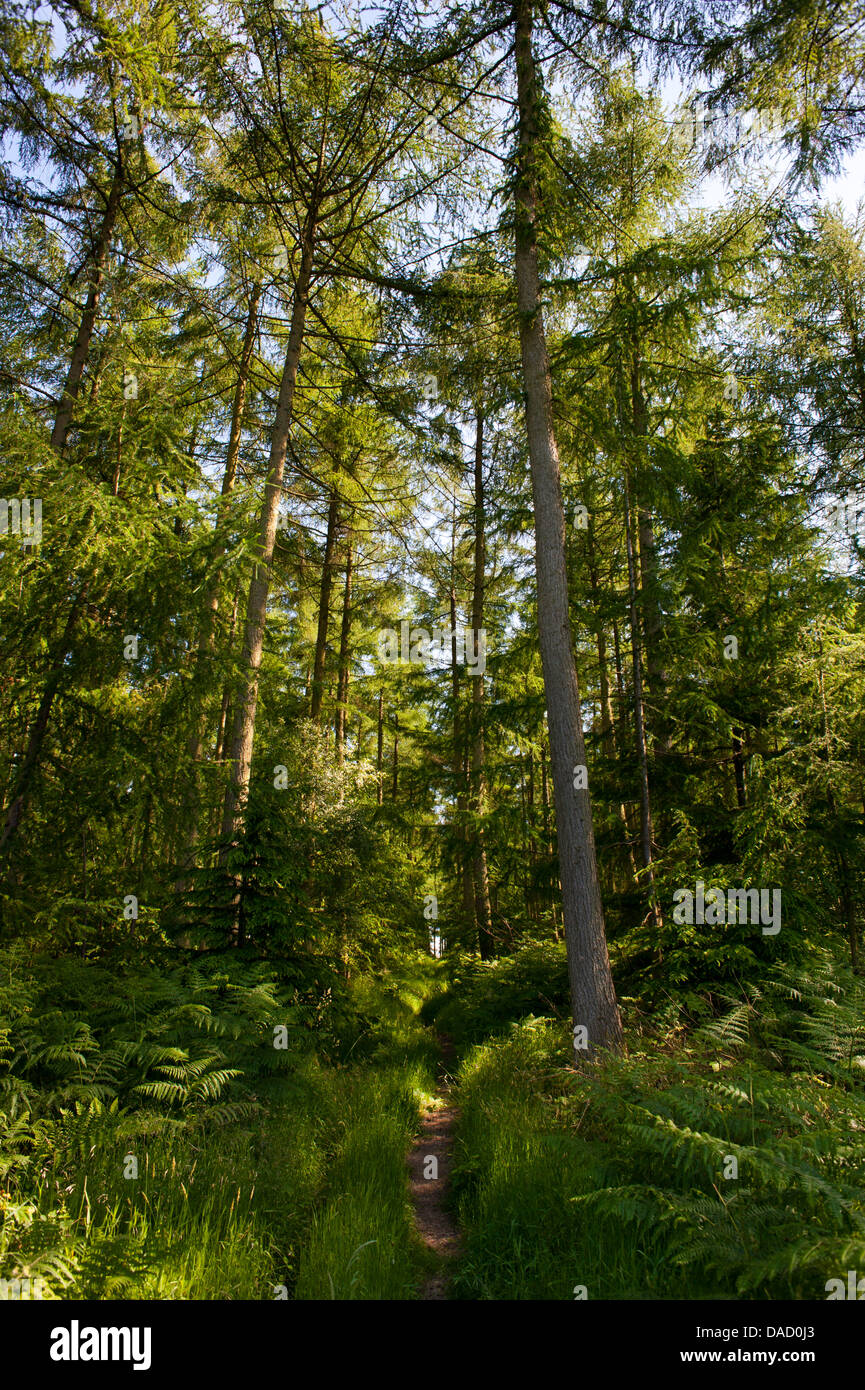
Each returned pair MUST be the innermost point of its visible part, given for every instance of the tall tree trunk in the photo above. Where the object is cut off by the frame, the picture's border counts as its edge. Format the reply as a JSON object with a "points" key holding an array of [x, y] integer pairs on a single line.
{"points": [[225, 708], [649, 587], [395, 788], [379, 761], [324, 606], [606, 729], [621, 736], [480, 872], [207, 632], [243, 735], [211, 608], [608, 746], [463, 849], [607, 740], [621, 721], [344, 635], [593, 996], [639, 716], [548, 839], [84, 336]]}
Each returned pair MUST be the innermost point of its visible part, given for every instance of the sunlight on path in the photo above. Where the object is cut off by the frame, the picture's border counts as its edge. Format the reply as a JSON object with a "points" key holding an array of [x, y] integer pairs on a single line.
{"points": [[429, 1161]]}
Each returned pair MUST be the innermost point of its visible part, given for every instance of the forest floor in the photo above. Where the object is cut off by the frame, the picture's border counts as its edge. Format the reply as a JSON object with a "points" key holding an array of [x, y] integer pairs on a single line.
{"points": [[429, 1191]]}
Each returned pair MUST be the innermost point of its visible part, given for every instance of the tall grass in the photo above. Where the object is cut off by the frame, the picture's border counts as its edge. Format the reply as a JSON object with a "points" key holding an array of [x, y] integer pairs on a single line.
{"points": [[287, 1176], [362, 1244], [520, 1162], [724, 1167], [140, 1207]]}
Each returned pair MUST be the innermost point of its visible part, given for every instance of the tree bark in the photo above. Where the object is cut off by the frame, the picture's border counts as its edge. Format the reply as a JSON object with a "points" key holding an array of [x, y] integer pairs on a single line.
{"points": [[606, 730], [232, 455], [379, 762], [225, 708], [639, 715], [207, 632], [243, 735], [593, 996], [548, 839], [344, 635], [463, 850], [480, 872], [84, 336], [324, 606]]}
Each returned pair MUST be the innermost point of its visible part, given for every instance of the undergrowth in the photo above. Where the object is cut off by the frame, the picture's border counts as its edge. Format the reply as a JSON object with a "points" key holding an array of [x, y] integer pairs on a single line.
{"points": [[721, 1162], [201, 1131]]}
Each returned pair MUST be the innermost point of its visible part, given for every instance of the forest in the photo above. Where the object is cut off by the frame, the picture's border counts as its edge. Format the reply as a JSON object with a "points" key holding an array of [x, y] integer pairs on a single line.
{"points": [[432, 647]]}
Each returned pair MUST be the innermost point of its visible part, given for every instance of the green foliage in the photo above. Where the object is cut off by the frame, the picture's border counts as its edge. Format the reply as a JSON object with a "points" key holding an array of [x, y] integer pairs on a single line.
{"points": [[485, 997], [618, 1176], [361, 1244], [222, 994], [156, 1143]]}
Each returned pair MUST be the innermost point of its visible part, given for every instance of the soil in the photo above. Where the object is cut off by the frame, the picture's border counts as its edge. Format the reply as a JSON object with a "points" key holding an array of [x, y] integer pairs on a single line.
{"points": [[436, 1226]]}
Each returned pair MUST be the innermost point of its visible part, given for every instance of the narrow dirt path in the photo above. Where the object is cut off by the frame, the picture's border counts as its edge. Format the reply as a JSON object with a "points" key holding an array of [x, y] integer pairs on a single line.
{"points": [[429, 1161]]}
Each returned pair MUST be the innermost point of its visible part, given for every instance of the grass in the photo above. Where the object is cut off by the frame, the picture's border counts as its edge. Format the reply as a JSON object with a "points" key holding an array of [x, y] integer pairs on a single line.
{"points": [[362, 1244], [519, 1165], [617, 1179], [297, 1188], [721, 1158], [137, 1207]]}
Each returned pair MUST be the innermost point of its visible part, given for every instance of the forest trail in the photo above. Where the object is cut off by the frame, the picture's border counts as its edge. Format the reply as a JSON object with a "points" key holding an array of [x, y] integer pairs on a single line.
{"points": [[437, 1228]]}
